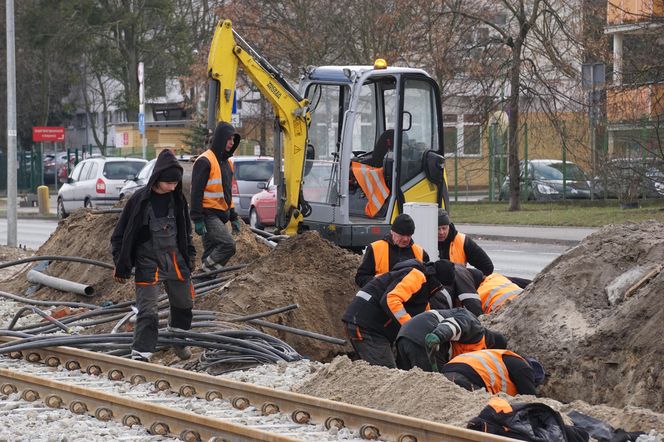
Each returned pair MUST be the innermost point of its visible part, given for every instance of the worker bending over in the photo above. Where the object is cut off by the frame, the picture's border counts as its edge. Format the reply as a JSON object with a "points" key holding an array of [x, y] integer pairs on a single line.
{"points": [[374, 316], [460, 248], [461, 293], [496, 371], [381, 256], [494, 290], [153, 235], [212, 199], [431, 339]]}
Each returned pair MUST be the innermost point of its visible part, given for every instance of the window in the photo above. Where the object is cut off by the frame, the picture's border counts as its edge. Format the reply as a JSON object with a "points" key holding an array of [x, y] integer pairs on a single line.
{"points": [[76, 173], [92, 173], [120, 170], [463, 135], [253, 170], [328, 103], [85, 170], [422, 135]]}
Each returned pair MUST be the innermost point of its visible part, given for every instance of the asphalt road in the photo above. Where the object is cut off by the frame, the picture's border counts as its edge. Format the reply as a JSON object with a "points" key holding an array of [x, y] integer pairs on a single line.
{"points": [[31, 233]]}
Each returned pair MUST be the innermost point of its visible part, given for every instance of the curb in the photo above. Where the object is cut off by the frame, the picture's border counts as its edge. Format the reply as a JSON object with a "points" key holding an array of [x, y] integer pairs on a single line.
{"points": [[561, 242]]}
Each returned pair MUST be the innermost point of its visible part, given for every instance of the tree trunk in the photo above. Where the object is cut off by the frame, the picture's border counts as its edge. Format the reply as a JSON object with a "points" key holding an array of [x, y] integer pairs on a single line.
{"points": [[513, 132]]}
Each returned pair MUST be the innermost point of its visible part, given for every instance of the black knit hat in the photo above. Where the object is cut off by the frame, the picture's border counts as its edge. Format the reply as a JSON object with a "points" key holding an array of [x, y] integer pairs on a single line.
{"points": [[170, 175], [444, 271], [495, 339], [443, 217], [403, 225]]}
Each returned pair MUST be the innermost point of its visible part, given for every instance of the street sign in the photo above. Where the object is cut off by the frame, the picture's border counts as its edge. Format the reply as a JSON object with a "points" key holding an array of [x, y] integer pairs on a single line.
{"points": [[48, 133], [141, 123]]}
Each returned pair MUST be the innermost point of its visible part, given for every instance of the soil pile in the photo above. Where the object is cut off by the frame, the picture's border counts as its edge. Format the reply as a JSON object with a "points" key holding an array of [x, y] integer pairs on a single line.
{"points": [[593, 349], [305, 270], [432, 397]]}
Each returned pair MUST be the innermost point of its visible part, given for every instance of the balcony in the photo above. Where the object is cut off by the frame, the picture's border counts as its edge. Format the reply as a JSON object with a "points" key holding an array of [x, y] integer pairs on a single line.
{"points": [[628, 12], [634, 104]]}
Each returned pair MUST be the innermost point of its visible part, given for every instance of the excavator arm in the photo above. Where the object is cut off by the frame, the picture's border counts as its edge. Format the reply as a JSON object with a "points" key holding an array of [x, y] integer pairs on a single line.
{"points": [[291, 111]]}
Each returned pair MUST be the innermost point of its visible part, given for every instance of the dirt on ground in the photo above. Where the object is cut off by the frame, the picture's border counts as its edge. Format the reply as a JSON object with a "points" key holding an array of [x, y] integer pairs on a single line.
{"points": [[602, 352]]}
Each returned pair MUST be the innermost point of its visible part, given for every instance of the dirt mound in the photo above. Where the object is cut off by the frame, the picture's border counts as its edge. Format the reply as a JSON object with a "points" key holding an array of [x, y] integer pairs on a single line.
{"points": [[592, 349], [401, 392], [306, 270], [87, 235]]}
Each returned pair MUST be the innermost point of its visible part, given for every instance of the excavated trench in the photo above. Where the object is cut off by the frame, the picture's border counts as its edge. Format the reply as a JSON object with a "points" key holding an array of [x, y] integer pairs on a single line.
{"points": [[597, 352]]}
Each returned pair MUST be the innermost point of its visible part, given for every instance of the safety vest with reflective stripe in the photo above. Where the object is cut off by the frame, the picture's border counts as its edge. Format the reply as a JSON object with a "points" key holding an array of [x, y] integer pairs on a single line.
{"points": [[459, 348], [457, 253], [489, 365], [372, 183], [213, 194], [409, 291], [381, 253], [496, 290]]}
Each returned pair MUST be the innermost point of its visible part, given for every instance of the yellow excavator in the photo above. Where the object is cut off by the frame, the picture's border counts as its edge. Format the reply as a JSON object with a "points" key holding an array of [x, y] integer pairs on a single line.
{"points": [[355, 142]]}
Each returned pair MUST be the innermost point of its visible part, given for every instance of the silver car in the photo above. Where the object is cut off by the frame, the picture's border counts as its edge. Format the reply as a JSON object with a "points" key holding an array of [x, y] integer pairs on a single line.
{"points": [[96, 182], [250, 172]]}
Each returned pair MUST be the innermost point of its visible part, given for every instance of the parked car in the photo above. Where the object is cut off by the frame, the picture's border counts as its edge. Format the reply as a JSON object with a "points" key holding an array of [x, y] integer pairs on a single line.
{"points": [[140, 180], [545, 181], [250, 173], [96, 182], [316, 188], [629, 179]]}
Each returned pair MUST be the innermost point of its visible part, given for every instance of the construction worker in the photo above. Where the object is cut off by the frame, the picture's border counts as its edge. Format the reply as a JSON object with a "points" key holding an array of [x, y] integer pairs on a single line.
{"points": [[431, 338], [212, 200], [460, 248], [496, 371], [373, 318], [381, 256], [461, 293], [153, 235], [494, 290]]}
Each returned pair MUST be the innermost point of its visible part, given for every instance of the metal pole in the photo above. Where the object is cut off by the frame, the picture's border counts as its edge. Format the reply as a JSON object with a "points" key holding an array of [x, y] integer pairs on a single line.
{"points": [[11, 128], [492, 140], [525, 163]]}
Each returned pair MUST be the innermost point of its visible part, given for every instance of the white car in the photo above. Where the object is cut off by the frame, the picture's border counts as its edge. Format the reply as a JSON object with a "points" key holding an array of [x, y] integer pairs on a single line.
{"points": [[96, 182]]}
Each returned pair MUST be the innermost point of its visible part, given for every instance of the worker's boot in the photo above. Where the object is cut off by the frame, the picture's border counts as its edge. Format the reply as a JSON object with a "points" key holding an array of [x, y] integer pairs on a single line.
{"points": [[209, 265], [143, 356]]}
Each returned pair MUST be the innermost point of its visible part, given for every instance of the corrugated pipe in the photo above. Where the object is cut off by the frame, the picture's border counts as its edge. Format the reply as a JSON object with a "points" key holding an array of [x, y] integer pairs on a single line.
{"points": [[60, 284]]}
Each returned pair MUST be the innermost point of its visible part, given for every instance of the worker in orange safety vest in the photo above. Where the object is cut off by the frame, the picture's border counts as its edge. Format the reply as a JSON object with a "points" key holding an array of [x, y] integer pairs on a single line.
{"points": [[460, 248], [381, 256]]}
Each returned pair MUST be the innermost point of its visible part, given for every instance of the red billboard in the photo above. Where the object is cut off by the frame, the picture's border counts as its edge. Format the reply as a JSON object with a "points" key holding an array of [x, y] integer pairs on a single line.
{"points": [[48, 133]]}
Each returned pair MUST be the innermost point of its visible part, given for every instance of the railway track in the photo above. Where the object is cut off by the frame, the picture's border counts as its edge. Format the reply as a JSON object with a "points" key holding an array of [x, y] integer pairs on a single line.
{"points": [[230, 410]]}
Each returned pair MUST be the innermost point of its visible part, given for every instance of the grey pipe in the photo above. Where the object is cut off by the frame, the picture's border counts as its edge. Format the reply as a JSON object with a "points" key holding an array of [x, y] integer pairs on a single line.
{"points": [[60, 284]]}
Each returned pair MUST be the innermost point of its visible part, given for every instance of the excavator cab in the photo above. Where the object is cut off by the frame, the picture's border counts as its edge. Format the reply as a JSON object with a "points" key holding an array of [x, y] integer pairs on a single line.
{"points": [[376, 134]]}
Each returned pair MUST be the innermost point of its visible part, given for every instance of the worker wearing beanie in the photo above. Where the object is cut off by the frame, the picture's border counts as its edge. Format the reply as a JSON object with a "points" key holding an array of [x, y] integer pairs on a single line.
{"points": [[212, 198], [458, 247], [374, 316], [432, 338], [381, 256], [462, 292], [497, 371], [153, 235]]}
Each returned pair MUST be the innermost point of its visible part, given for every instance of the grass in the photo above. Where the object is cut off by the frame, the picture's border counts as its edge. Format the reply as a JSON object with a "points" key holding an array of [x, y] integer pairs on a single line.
{"points": [[570, 213]]}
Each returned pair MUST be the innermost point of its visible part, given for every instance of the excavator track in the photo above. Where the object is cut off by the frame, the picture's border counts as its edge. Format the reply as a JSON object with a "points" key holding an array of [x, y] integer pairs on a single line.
{"points": [[163, 420]]}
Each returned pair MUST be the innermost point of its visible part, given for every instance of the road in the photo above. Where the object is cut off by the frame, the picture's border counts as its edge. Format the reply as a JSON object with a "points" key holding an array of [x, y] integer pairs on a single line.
{"points": [[512, 258], [32, 233], [521, 259]]}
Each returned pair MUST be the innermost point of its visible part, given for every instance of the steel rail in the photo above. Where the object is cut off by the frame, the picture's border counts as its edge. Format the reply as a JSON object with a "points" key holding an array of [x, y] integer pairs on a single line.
{"points": [[158, 419], [370, 423]]}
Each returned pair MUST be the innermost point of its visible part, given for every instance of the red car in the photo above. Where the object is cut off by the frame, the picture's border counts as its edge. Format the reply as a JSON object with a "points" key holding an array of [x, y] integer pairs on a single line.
{"points": [[316, 188]]}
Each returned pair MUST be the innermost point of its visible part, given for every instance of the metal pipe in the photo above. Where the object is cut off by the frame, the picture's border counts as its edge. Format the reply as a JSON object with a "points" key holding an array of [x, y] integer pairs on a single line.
{"points": [[60, 284], [265, 313], [57, 258], [298, 331], [47, 303]]}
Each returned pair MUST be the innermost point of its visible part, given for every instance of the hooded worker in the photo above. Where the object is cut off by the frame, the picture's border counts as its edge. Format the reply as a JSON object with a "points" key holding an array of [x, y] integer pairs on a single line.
{"points": [[460, 248], [153, 235], [374, 316], [212, 198], [381, 256]]}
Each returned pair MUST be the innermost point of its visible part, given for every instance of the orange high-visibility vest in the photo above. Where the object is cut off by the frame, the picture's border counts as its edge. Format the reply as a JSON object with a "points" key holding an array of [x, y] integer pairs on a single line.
{"points": [[372, 183], [381, 251], [458, 348], [213, 194], [495, 291], [489, 365], [457, 253]]}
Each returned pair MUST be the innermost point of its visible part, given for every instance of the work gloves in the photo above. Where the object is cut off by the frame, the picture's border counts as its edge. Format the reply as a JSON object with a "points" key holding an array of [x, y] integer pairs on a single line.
{"points": [[199, 226], [432, 344], [236, 226], [119, 279]]}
